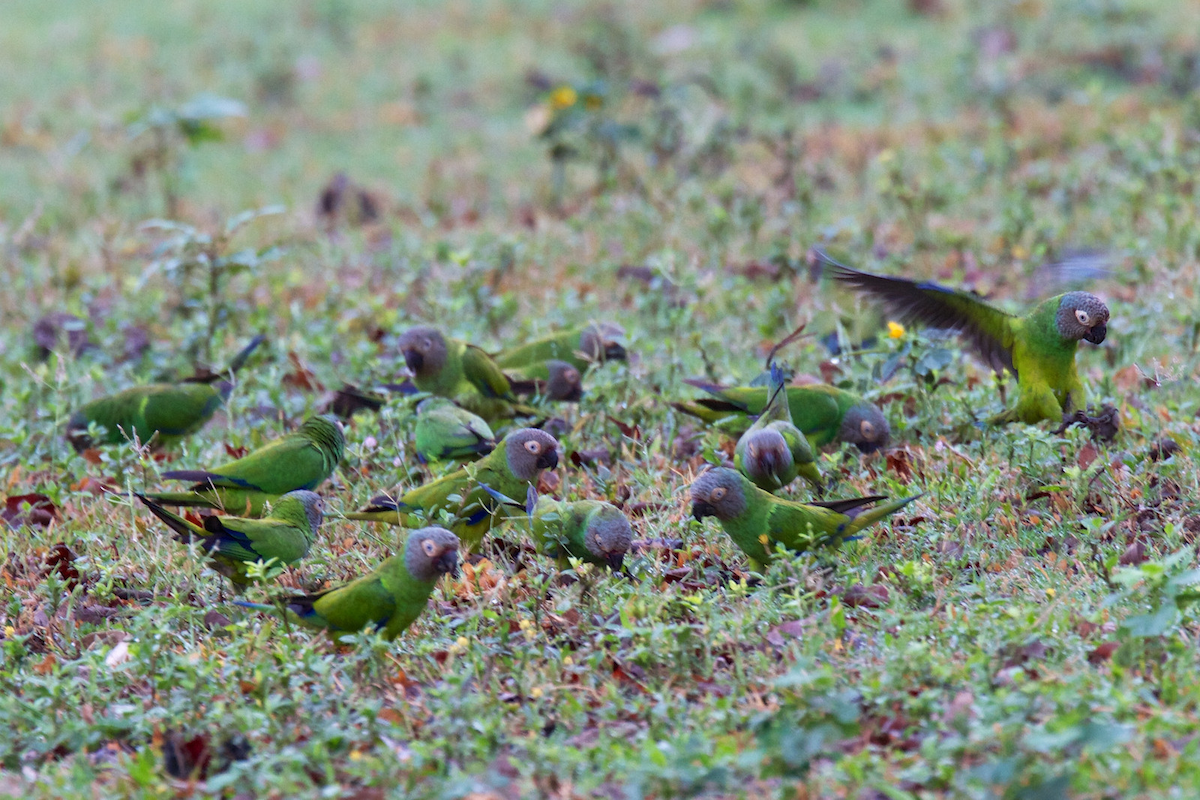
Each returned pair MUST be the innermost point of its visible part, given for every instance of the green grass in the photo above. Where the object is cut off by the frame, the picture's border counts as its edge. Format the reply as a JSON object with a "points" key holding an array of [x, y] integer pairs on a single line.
{"points": [[1005, 652]]}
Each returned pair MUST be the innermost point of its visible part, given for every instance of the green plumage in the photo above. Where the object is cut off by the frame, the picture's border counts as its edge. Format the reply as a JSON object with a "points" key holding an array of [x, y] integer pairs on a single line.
{"points": [[285, 535], [508, 470], [168, 410], [446, 432], [589, 530], [580, 347], [756, 520], [302, 459], [773, 452], [1039, 348], [823, 413], [387, 599]]}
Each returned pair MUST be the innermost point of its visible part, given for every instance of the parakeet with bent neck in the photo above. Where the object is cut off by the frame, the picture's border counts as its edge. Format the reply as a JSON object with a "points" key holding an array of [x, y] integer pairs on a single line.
{"points": [[774, 451], [1038, 348], [756, 520], [582, 346]]}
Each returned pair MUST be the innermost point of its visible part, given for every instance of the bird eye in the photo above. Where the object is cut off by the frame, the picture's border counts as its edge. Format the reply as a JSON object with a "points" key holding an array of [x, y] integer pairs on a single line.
{"points": [[429, 547], [717, 494], [866, 429], [427, 343], [572, 375], [1082, 316], [533, 447]]}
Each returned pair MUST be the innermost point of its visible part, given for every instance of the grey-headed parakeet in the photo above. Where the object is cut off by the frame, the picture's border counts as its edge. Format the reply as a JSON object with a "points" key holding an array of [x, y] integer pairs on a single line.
{"points": [[552, 380], [774, 451], [388, 599], [590, 530], [580, 347]]}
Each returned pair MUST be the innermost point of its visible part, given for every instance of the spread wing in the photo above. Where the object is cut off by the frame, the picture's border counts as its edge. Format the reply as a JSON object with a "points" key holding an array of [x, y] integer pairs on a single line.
{"points": [[987, 329]]}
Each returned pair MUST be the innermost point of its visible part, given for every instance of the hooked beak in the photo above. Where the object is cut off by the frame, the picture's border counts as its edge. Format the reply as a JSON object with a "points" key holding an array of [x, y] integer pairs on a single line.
{"points": [[616, 561], [547, 460], [869, 447], [448, 563], [702, 509], [614, 352], [1096, 333], [573, 395], [414, 360]]}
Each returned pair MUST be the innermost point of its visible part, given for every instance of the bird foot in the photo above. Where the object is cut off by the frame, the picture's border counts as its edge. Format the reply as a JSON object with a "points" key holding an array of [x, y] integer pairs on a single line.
{"points": [[1103, 426]]}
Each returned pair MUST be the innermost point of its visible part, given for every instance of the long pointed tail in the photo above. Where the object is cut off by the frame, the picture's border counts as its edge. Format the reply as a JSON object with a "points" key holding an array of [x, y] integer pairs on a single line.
{"points": [[184, 530], [861, 519]]}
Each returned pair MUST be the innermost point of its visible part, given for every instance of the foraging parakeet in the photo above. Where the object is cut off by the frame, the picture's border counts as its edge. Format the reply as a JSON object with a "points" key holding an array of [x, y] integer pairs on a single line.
{"points": [[389, 598], [285, 535], [590, 530], [302, 459], [1038, 348], [170, 410], [509, 470], [580, 347], [823, 413], [457, 370], [757, 520], [552, 380], [774, 451], [445, 432]]}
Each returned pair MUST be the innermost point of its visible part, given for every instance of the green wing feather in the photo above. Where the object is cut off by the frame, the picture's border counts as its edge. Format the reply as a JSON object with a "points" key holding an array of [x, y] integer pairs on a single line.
{"points": [[484, 374], [362, 602]]}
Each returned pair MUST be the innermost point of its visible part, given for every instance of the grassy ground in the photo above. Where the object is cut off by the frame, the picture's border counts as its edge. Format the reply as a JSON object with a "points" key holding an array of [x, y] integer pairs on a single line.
{"points": [[1024, 630]]}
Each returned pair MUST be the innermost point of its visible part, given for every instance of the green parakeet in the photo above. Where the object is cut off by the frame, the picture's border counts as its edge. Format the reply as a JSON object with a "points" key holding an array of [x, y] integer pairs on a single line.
{"points": [[774, 451], [460, 371], [823, 413], [580, 347], [589, 530], [445, 432], [1038, 348], [170, 410], [516, 463], [756, 520], [302, 459], [388, 599], [553, 380], [285, 535]]}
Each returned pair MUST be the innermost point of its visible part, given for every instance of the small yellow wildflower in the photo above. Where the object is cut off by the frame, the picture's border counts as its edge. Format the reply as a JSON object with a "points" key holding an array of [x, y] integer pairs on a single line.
{"points": [[895, 330], [568, 661], [1050, 593], [535, 692], [525, 624], [459, 645], [763, 538], [9, 630], [356, 755], [1019, 252], [563, 97]]}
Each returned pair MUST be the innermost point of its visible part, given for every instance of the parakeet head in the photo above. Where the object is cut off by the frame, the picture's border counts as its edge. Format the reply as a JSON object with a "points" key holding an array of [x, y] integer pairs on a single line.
{"points": [[1082, 316], [609, 536], [424, 350], [314, 506], [766, 453], [865, 427], [431, 553], [326, 430], [564, 383], [529, 451], [718, 493], [599, 341]]}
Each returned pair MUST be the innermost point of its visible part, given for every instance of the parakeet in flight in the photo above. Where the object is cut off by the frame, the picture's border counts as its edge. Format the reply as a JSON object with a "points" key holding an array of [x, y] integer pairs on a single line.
{"points": [[757, 520], [388, 599], [1038, 348], [823, 413], [285, 535], [774, 451], [552, 380], [302, 459], [170, 410], [509, 470], [445, 432], [580, 347]]}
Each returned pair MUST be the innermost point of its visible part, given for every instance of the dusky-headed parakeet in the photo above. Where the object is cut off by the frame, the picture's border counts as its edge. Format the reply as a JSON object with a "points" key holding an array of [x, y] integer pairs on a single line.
{"points": [[593, 343], [590, 530], [552, 380], [774, 451]]}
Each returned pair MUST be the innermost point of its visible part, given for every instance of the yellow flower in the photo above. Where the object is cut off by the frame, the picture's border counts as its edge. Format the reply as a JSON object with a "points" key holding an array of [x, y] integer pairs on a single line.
{"points": [[1050, 593], [356, 755], [9, 630], [1019, 252], [568, 661], [895, 330], [763, 538], [535, 692], [885, 155], [563, 97]]}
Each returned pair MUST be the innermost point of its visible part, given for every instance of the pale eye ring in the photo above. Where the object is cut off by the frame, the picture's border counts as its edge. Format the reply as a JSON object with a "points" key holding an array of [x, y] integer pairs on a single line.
{"points": [[429, 547], [427, 343], [572, 375], [533, 447], [867, 429], [717, 494], [1082, 316]]}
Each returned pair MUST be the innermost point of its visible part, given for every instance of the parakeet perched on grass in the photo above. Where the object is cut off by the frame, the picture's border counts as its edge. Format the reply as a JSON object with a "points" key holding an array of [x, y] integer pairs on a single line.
{"points": [[589, 530], [388, 599], [580, 347], [1038, 348], [285, 535], [774, 451], [170, 410], [823, 413], [516, 463], [756, 520], [450, 368], [445, 432], [302, 459], [552, 380]]}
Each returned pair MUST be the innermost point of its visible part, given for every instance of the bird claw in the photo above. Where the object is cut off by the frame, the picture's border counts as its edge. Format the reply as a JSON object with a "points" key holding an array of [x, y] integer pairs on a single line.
{"points": [[1103, 426]]}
